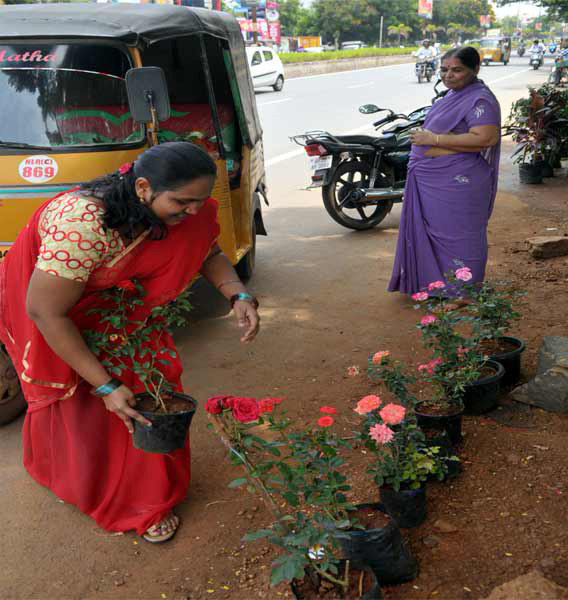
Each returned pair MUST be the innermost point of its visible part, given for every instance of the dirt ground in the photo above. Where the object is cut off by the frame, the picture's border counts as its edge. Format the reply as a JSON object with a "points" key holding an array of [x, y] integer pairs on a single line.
{"points": [[506, 512]]}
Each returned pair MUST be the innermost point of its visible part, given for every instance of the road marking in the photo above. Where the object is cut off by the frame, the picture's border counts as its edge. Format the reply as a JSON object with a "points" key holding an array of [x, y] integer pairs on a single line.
{"points": [[509, 76], [275, 102], [359, 85]]}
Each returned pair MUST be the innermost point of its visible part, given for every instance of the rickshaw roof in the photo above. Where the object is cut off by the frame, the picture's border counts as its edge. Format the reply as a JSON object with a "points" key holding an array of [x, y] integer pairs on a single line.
{"points": [[136, 25], [132, 24]]}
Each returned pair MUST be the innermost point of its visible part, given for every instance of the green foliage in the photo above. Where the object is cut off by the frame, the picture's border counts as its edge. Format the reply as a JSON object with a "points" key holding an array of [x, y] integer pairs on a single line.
{"points": [[301, 57], [127, 343]]}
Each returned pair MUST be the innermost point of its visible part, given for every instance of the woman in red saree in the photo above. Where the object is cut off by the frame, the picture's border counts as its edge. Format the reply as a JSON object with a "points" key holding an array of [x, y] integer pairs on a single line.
{"points": [[153, 221]]}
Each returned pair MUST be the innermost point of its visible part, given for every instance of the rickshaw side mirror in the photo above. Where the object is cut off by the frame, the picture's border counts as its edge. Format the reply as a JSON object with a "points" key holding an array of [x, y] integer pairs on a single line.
{"points": [[148, 96]]}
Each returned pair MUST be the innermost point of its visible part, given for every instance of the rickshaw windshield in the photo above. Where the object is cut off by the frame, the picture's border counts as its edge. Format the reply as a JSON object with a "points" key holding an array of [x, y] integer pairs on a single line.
{"points": [[489, 44], [65, 96]]}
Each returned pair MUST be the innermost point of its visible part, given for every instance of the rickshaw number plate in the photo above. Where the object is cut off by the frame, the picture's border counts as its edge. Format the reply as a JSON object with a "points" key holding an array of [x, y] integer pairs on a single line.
{"points": [[320, 162]]}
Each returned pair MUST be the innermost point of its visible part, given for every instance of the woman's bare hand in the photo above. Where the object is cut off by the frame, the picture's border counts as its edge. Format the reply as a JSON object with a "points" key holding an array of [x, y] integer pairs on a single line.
{"points": [[120, 402], [247, 318], [423, 137]]}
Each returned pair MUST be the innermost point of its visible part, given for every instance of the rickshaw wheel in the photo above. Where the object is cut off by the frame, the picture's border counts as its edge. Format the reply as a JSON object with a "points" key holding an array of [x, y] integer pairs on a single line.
{"points": [[245, 266]]}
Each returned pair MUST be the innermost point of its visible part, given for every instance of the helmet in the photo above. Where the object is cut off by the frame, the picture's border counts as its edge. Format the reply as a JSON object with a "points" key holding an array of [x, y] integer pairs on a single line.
{"points": [[12, 403]]}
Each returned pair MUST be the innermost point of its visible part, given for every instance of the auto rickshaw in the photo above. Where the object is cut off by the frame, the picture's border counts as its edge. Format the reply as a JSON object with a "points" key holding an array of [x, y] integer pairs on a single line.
{"points": [[496, 49], [67, 117]]}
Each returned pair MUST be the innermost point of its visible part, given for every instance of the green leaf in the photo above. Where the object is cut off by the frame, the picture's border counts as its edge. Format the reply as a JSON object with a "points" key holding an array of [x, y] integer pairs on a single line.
{"points": [[237, 482]]}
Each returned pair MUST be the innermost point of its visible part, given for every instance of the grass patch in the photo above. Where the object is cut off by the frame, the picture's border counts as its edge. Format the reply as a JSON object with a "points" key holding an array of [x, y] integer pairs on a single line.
{"points": [[302, 57]]}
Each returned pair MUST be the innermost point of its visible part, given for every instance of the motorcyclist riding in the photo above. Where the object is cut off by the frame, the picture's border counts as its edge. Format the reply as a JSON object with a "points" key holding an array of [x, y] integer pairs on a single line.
{"points": [[427, 53], [538, 47]]}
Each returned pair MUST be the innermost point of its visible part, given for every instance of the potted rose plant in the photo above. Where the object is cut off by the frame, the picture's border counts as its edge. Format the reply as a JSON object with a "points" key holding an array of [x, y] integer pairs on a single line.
{"points": [[491, 311], [298, 473], [143, 348], [458, 368], [403, 460]]}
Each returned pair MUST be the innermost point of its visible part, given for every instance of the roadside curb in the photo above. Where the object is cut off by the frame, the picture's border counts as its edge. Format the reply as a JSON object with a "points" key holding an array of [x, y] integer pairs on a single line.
{"points": [[335, 66]]}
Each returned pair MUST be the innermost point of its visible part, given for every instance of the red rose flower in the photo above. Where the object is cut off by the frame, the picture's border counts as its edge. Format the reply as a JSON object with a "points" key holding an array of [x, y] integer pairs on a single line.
{"points": [[213, 406], [228, 401], [274, 400], [328, 410], [325, 421], [126, 285], [245, 410], [265, 406]]}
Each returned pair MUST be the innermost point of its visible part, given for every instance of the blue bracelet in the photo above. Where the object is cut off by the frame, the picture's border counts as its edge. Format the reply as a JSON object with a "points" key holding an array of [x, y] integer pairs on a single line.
{"points": [[107, 388], [243, 297]]}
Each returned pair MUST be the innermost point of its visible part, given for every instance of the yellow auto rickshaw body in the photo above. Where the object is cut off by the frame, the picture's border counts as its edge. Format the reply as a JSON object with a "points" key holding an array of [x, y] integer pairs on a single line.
{"points": [[495, 50], [66, 117]]}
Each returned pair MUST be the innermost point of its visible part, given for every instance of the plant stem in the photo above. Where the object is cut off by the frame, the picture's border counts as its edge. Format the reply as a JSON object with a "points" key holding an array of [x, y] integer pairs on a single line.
{"points": [[326, 575]]}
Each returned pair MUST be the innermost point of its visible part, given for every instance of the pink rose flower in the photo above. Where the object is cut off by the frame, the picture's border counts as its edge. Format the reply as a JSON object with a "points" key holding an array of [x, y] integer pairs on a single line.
{"points": [[325, 421], [379, 357], [464, 274], [328, 410], [125, 168], [381, 434], [436, 285], [353, 371], [245, 410], [367, 404], [428, 320], [420, 296], [392, 414]]}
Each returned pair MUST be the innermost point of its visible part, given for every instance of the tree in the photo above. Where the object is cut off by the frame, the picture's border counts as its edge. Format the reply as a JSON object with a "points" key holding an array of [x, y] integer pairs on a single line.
{"points": [[401, 30], [290, 13], [348, 17], [556, 8]]}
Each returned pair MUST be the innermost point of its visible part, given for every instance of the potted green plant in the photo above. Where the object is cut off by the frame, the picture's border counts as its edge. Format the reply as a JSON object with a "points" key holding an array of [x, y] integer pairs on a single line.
{"points": [[491, 310], [298, 474], [403, 461], [459, 370], [144, 349]]}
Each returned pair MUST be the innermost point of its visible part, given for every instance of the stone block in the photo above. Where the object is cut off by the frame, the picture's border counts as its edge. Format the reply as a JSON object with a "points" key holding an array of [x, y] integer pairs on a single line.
{"points": [[548, 246], [532, 586], [552, 353]]}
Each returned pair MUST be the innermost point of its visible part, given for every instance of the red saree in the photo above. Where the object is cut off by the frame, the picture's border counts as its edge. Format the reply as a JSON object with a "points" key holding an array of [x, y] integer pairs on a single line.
{"points": [[72, 444]]}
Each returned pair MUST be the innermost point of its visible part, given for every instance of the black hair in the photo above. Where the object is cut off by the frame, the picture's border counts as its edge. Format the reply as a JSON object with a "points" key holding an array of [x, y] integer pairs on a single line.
{"points": [[167, 167], [468, 55]]}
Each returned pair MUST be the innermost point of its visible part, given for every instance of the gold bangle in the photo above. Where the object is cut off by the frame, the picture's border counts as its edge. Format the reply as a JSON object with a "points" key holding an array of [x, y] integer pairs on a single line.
{"points": [[437, 140]]}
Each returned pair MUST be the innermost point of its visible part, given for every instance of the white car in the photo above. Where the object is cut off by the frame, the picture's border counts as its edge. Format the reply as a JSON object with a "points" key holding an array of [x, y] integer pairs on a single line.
{"points": [[265, 67]]}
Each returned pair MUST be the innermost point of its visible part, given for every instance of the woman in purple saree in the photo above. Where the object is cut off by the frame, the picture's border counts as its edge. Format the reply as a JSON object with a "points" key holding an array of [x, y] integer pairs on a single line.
{"points": [[452, 180]]}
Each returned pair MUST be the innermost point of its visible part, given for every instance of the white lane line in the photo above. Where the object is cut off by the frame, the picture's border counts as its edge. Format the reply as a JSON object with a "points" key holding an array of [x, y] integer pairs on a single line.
{"points": [[274, 102], [510, 75], [293, 153], [360, 85]]}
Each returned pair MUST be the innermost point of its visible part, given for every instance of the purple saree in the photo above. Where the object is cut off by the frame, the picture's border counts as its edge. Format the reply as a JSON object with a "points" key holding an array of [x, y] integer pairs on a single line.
{"points": [[448, 199]]}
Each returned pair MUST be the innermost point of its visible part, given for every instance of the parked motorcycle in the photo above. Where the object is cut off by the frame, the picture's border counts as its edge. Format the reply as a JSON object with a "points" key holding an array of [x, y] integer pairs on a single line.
{"points": [[424, 70], [536, 59], [361, 176]]}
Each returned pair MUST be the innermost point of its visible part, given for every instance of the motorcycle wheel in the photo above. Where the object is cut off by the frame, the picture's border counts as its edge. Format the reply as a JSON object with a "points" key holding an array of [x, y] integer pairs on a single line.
{"points": [[535, 67], [347, 177]]}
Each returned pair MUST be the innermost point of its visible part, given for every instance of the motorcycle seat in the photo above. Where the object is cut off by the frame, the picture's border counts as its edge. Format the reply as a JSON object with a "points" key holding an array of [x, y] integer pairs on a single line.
{"points": [[388, 140]]}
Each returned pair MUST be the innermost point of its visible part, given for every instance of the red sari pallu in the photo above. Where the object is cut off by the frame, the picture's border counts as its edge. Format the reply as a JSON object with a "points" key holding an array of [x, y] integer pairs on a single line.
{"points": [[72, 444]]}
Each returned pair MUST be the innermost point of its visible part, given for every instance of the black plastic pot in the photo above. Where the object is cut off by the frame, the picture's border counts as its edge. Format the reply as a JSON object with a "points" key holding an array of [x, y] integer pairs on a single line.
{"points": [[446, 449], [530, 173], [545, 168], [168, 431], [406, 507], [511, 361], [382, 550], [450, 423], [483, 395], [374, 593]]}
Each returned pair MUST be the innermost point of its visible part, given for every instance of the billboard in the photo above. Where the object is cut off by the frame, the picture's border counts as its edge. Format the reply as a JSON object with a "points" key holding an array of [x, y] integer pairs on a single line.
{"points": [[425, 9]]}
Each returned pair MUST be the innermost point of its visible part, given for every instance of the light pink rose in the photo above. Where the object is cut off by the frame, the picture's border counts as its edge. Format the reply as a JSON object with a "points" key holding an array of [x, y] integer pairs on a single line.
{"points": [[381, 434], [436, 285], [428, 320], [367, 404], [392, 414], [378, 357], [420, 296], [353, 371], [464, 274]]}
